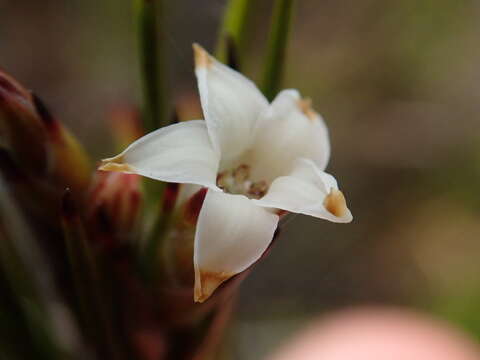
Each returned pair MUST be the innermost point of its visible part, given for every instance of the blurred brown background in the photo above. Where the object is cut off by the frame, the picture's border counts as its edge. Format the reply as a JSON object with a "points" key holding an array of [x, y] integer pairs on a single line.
{"points": [[398, 83]]}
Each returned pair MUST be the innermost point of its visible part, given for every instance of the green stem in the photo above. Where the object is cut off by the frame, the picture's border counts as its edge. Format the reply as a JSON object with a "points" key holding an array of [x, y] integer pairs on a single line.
{"points": [[148, 16], [234, 27], [277, 43], [151, 252], [152, 66]]}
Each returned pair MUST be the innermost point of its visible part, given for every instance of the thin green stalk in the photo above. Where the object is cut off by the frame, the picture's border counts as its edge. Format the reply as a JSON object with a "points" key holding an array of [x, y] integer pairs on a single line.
{"points": [[148, 18], [151, 252], [152, 62], [277, 43], [234, 27]]}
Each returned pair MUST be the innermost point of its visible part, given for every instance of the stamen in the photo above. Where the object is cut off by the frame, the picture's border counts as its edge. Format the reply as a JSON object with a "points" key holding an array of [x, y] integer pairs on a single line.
{"points": [[258, 189], [241, 173], [237, 181], [224, 180]]}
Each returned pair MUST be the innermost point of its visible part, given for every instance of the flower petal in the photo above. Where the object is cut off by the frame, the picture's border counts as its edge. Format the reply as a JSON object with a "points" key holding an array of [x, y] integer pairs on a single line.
{"points": [[232, 233], [310, 191], [289, 129], [231, 104], [179, 153]]}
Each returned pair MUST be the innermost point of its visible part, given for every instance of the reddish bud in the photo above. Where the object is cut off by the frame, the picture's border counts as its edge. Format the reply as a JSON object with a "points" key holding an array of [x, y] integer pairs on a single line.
{"points": [[69, 165], [114, 203], [21, 129]]}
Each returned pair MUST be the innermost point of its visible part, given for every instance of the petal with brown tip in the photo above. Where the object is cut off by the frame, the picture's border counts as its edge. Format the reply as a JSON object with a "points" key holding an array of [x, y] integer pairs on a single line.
{"points": [[310, 191], [232, 233], [180, 153]]}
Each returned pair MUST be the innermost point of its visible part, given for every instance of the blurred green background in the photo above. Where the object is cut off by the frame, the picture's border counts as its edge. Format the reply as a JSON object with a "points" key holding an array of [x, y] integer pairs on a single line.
{"points": [[398, 85]]}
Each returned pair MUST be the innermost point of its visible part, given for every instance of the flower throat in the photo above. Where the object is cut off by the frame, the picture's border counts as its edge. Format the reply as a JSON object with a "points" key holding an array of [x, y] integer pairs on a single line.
{"points": [[237, 181]]}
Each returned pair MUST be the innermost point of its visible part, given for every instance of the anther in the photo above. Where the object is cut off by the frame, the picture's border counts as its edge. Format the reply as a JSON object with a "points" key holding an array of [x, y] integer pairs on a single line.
{"points": [[241, 174], [258, 189]]}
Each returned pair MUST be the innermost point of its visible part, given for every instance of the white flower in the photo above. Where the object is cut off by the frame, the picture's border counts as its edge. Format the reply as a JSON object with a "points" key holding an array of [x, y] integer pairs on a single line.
{"points": [[254, 157]]}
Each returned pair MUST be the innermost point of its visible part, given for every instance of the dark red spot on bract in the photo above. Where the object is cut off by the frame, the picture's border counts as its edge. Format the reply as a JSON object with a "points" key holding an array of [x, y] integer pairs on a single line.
{"points": [[170, 196], [194, 205]]}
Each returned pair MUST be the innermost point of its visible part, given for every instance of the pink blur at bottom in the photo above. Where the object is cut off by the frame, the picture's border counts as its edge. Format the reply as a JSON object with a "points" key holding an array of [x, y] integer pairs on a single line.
{"points": [[379, 333]]}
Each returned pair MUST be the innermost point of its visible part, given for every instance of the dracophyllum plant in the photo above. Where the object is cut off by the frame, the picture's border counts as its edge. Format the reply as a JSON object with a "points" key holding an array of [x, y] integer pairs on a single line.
{"points": [[258, 160]]}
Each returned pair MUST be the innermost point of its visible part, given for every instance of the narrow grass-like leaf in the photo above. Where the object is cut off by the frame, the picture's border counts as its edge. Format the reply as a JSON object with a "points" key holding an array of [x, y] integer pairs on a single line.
{"points": [[234, 28], [149, 15], [148, 20], [277, 44]]}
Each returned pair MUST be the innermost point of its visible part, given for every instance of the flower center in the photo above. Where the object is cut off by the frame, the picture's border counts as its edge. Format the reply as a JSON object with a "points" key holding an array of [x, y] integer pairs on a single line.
{"points": [[237, 181]]}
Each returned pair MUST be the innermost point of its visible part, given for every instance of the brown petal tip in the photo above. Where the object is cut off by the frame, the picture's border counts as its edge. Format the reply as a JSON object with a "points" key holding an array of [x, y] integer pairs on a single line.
{"points": [[335, 203], [202, 57], [116, 164], [207, 282], [305, 106]]}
